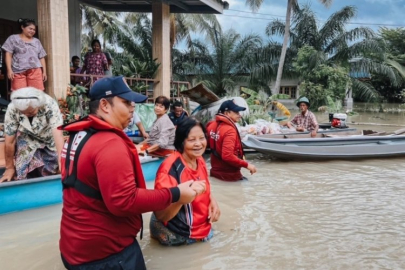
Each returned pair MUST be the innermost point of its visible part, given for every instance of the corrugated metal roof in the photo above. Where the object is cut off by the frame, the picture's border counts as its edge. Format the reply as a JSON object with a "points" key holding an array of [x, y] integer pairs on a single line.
{"points": [[176, 6]]}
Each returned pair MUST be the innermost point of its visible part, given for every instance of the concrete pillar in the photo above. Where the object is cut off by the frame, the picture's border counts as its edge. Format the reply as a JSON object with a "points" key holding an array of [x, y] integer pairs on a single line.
{"points": [[161, 47], [348, 100], [53, 29], [75, 28]]}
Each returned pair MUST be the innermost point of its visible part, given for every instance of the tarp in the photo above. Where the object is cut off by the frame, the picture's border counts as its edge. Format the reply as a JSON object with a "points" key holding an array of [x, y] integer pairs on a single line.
{"points": [[147, 115], [201, 95]]}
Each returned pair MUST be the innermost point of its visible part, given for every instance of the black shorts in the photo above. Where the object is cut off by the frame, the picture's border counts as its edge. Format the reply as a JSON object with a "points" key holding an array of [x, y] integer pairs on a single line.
{"points": [[129, 258]]}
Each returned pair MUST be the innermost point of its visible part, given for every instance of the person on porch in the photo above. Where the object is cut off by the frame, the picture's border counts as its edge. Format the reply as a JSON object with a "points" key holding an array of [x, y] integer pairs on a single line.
{"points": [[25, 58]]}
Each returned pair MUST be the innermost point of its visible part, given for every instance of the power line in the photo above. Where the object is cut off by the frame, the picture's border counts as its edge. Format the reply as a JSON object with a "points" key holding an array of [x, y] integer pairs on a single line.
{"points": [[269, 19], [242, 11]]}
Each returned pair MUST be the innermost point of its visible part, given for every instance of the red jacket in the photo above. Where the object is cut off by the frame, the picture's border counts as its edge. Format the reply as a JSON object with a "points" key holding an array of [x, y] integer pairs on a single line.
{"points": [[94, 229], [227, 155], [192, 219]]}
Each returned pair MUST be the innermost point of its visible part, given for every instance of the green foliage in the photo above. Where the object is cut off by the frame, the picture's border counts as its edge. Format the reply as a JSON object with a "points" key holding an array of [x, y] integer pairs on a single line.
{"points": [[322, 83], [221, 63], [135, 68], [334, 46], [280, 96], [395, 40], [316, 93], [76, 104]]}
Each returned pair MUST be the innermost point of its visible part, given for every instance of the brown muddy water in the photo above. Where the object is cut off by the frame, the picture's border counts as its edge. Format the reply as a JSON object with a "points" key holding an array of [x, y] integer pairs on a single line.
{"points": [[290, 215]]}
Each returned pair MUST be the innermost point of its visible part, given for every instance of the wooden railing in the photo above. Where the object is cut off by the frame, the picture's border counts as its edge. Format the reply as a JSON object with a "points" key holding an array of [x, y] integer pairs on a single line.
{"points": [[175, 86]]}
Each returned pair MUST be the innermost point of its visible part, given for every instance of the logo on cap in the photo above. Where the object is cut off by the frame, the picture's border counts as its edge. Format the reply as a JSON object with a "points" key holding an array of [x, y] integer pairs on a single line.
{"points": [[107, 93]]}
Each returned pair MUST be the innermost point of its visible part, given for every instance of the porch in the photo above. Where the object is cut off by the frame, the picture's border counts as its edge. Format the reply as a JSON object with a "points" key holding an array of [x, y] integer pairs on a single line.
{"points": [[59, 30]]}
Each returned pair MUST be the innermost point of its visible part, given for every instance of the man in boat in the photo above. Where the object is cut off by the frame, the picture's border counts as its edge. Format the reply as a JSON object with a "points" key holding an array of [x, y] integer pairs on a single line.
{"points": [[305, 120], [104, 192], [178, 113], [32, 141], [227, 157]]}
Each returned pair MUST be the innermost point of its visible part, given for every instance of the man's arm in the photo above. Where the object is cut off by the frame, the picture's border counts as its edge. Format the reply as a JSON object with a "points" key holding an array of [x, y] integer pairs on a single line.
{"points": [[228, 151], [314, 126], [292, 123], [9, 154]]}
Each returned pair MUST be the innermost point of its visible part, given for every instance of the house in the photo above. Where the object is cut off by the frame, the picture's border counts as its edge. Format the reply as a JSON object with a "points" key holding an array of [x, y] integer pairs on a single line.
{"points": [[59, 30]]}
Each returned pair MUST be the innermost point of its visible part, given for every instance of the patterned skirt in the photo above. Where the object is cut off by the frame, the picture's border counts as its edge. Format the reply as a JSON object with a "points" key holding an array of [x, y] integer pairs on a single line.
{"points": [[166, 237], [43, 160]]}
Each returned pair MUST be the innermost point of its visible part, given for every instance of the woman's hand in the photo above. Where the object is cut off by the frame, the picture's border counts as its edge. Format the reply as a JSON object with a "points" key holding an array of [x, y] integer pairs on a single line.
{"points": [[44, 77], [213, 211], [145, 135], [10, 74], [8, 175], [139, 148]]}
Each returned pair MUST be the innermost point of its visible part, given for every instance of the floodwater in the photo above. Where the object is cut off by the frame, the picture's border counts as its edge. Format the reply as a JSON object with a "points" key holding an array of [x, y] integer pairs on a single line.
{"points": [[290, 215]]}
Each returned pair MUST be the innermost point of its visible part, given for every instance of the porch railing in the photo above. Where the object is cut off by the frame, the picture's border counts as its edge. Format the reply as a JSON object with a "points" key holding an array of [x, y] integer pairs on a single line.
{"points": [[135, 83]]}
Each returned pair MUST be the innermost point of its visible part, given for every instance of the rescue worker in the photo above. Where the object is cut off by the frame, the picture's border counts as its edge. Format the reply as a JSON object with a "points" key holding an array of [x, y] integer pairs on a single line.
{"points": [[227, 157], [104, 192]]}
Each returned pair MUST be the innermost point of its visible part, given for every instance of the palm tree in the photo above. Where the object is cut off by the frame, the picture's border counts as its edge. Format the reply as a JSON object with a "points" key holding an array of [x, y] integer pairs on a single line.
{"points": [[254, 4], [97, 23], [357, 50], [291, 4], [221, 64]]}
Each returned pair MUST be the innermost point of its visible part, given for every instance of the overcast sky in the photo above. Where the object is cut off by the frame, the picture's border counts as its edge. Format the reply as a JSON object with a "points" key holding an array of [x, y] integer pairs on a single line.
{"points": [[387, 12]]}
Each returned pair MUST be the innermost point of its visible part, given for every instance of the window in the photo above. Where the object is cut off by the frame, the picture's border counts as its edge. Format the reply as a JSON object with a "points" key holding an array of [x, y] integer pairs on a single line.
{"points": [[289, 90]]}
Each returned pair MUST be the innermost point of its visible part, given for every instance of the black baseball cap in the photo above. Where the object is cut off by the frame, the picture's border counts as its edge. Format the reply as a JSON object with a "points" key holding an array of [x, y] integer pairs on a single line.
{"points": [[114, 86], [230, 105]]}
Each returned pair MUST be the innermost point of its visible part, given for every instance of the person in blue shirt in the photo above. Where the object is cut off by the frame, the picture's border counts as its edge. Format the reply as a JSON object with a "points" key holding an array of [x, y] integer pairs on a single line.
{"points": [[136, 121], [178, 113]]}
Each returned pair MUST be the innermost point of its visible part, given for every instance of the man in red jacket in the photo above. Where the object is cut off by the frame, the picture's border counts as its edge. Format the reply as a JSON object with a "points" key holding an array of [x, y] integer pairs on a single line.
{"points": [[104, 192], [227, 155]]}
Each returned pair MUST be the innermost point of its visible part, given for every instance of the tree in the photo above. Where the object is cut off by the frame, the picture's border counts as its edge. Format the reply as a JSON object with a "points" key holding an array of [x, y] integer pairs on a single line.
{"points": [[97, 23], [320, 82], [291, 4], [254, 5], [395, 44], [358, 50], [221, 64]]}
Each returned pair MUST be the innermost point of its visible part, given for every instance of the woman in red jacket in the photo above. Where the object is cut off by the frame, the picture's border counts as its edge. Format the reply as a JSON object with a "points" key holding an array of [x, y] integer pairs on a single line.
{"points": [[179, 223], [227, 157]]}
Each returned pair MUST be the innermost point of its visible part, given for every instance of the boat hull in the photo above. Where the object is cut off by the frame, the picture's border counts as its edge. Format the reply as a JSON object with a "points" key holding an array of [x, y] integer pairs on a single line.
{"points": [[43, 191], [332, 148]]}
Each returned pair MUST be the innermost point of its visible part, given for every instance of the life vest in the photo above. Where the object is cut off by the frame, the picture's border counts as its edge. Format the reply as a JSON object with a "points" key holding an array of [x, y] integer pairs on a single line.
{"points": [[92, 125]]}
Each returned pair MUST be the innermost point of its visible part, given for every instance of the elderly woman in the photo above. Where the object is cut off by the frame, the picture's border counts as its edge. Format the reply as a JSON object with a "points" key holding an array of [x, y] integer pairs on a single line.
{"points": [[161, 135], [25, 58], [185, 223], [33, 143]]}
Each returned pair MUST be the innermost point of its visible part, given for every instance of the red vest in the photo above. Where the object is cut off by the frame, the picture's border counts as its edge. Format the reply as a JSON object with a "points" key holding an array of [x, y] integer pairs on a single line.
{"points": [[100, 125]]}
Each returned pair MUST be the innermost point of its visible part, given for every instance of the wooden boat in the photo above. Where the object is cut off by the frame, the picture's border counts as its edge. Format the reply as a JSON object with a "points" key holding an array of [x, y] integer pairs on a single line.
{"points": [[357, 147], [43, 191]]}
